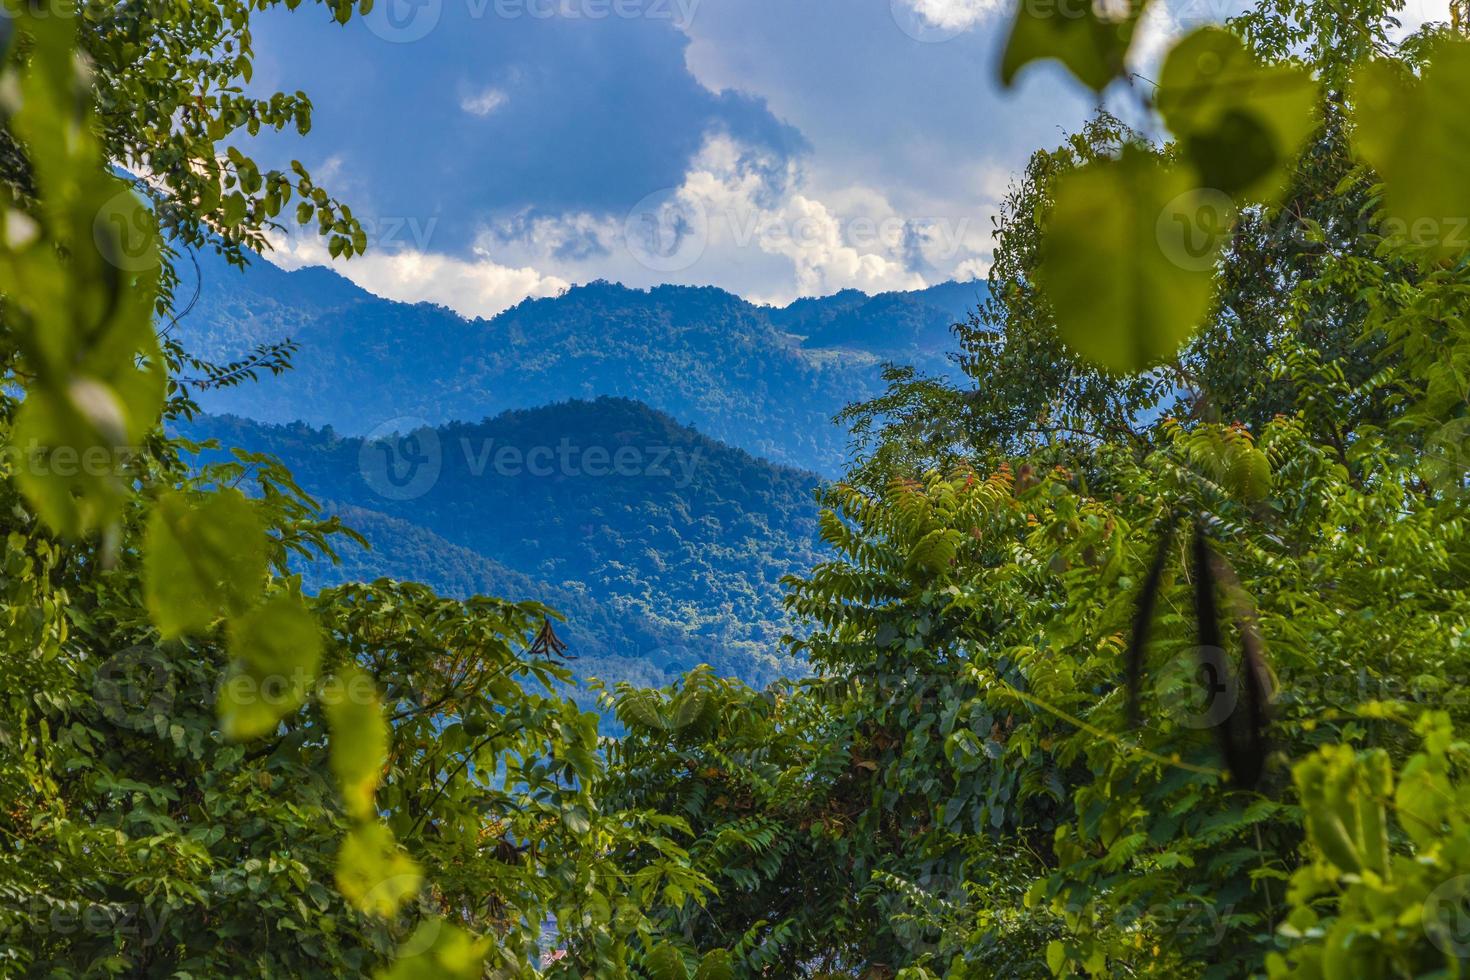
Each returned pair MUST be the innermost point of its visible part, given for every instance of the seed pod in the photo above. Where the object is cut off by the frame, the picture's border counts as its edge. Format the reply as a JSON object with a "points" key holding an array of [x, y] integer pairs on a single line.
{"points": [[1143, 620], [1241, 733]]}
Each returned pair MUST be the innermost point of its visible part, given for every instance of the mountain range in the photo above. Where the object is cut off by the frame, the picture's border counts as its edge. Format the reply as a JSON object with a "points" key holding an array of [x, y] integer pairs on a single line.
{"points": [[644, 461], [765, 379]]}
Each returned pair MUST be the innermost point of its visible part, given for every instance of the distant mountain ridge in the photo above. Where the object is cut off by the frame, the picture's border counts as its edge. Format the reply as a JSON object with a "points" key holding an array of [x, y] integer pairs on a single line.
{"points": [[765, 379], [665, 548]]}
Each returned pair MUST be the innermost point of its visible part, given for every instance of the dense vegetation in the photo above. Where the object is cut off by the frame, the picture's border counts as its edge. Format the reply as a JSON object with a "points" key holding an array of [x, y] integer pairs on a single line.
{"points": [[664, 557], [1139, 651], [765, 379]]}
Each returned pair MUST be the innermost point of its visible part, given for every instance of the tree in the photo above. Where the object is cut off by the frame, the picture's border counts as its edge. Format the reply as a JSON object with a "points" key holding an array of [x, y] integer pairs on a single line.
{"points": [[207, 768], [1247, 457]]}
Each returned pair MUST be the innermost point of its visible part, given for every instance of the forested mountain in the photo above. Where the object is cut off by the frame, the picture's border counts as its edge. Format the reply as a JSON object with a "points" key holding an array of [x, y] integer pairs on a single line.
{"points": [[765, 379], [664, 548]]}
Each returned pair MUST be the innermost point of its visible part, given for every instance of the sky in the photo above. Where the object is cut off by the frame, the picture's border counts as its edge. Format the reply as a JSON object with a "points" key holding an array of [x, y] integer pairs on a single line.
{"points": [[502, 149]]}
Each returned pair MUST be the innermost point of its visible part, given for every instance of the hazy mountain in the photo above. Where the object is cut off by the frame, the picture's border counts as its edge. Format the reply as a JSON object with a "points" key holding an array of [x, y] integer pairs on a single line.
{"points": [[765, 379], [664, 547]]}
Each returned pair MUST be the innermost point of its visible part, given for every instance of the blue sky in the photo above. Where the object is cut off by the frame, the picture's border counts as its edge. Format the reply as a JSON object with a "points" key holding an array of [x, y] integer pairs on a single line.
{"points": [[499, 149]]}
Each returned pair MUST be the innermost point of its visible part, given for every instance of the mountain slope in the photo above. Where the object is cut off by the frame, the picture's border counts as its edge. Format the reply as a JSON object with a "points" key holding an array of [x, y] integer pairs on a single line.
{"points": [[681, 539], [608, 640], [765, 379]]}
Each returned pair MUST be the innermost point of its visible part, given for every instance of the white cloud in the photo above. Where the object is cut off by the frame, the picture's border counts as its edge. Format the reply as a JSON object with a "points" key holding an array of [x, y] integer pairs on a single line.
{"points": [[972, 269], [955, 15], [758, 225], [1156, 33], [484, 102], [572, 236], [470, 288], [1417, 13]]}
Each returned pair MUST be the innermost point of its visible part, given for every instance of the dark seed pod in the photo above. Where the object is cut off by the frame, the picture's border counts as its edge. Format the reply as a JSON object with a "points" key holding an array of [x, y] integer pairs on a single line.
{"points": [[1143, 619], [1241, 731], [1255, 690], [548, 645]]}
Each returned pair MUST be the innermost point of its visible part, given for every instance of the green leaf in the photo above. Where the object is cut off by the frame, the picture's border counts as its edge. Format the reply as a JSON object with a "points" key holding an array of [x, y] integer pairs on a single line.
{"points": [[1127, 258], [438, 950], [234, 210], [204, 556], [1056, 956], [689, 708], [374, 873], [576, 819], [1423, 800], [359, 748], [935, 550], [1416, 134], [1092, 45], [640, 709], [716, 965], [277, 648], [1248, 471], [84, 332], [665, 962], [71, 454], [1242, 124]]}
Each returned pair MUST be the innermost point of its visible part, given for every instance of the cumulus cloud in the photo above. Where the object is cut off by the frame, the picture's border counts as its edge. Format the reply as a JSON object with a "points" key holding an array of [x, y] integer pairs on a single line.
{"points": [[780, 149], [470, 287], [754, 222]]}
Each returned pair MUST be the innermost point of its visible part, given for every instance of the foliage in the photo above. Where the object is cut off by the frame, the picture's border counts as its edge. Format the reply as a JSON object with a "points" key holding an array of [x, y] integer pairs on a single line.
{"points": [[992, 549], [1359, 908], [209, 769], [778, 844]]}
